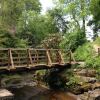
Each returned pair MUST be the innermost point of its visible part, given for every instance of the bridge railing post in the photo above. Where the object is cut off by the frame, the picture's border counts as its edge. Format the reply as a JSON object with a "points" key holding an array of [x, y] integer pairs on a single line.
{"points": [[98, 51], [29, 58], [61, 60], [72, 57], [37, 56], [10, 60], [49, 62]]}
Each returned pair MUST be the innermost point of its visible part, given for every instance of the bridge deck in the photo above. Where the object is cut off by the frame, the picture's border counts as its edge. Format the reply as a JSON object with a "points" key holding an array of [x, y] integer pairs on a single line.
{"points": [[28, 58]]}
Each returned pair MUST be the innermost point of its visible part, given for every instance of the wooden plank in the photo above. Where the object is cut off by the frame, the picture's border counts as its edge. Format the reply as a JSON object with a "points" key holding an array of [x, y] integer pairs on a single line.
{"points": [[37, 56], [61, 57], [72, 57], [49, 62], [29, 58], [98, 51], [56, 57], [10, 60]]}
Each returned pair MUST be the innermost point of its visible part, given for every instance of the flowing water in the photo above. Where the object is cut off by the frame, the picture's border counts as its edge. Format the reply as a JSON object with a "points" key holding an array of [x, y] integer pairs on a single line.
{"points": [[29, 89], [33, 91], [41, 93]]}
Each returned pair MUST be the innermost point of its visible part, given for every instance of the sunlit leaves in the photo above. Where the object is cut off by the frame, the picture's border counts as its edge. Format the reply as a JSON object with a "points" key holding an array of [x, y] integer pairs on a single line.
{"points": [[95, 11]]}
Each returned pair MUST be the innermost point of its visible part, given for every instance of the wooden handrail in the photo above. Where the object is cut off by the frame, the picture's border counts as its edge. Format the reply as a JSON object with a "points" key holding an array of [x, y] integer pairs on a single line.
{"points": [[31, 57], [28, 48]]}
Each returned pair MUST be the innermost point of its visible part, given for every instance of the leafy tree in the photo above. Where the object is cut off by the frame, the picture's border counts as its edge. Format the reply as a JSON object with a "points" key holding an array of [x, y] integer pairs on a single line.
{"points": [[52, 41], [73, 40], [7, 40], [97, 41], [11, 10], [37, 27], [84, 51], [95, 11], [58, 19], [77, 10]]}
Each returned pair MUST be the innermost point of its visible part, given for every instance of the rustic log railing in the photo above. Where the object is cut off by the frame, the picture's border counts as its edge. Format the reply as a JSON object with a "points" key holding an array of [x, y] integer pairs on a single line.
{"points": [[17, 58], [98, 51]]}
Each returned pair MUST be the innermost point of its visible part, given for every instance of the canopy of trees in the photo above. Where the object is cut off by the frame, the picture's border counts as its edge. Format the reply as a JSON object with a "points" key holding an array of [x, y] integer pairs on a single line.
{"points": [[23, 25]]}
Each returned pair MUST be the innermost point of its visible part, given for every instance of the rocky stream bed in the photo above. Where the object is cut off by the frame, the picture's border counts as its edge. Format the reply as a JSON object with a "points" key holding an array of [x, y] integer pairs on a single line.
{"points": [[26, 88]]}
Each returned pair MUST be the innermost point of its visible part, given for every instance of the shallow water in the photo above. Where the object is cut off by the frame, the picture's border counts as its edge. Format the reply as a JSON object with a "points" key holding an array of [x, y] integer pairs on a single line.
{"points": [[41, 93]]}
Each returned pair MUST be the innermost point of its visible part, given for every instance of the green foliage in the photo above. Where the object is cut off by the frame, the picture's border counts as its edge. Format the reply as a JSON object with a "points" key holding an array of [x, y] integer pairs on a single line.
{"points": [[83, 52], [87, 54], [58, 20], [22, 25], [73, 40], [97, 41], [78, 11], [93, 62], [28, 27], [12, 10], [33, 31], [73, 81], [51, 41], [7, 40], [95, 11], [95, 4], [36, 28]]}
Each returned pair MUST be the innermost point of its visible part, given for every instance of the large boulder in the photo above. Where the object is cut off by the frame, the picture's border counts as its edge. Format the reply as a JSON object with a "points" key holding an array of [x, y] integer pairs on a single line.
{"points": [[87, 73], [91, 95]]}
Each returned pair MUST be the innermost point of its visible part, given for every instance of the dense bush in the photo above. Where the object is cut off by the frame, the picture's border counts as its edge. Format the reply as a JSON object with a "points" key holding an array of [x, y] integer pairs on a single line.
{"points": [[87, 54], [93, 62], [73, 40], [7, 40], [83, 52], [97, 41]]}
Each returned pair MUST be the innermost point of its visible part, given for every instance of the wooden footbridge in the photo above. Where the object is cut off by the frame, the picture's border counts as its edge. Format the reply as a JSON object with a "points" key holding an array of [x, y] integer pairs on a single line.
{"points": [[12, 58]]}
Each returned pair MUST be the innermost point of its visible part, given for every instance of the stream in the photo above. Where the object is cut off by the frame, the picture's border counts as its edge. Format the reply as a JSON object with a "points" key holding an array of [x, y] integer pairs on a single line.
{"points": [[29, 88], [41, 93], [35, 89]]}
